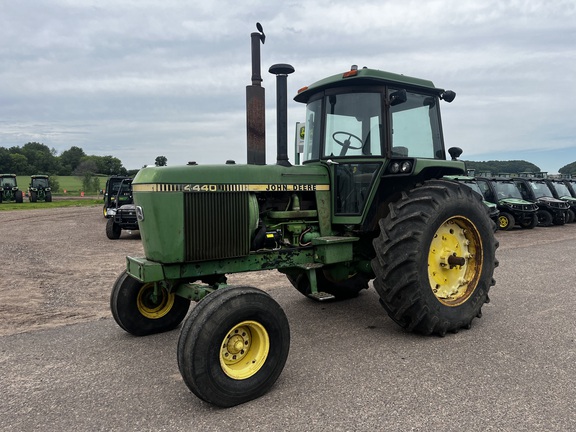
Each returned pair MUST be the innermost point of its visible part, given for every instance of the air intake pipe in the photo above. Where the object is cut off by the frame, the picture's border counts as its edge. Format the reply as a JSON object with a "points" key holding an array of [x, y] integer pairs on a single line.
{"points": [[281, 71]]}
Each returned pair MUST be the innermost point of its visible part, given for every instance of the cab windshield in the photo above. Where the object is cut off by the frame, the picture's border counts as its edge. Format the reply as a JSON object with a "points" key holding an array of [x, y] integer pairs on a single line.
{"points": [[39, 183], [562, 190], [8, 182], [352, 124], [507, 190], [541, 189]]}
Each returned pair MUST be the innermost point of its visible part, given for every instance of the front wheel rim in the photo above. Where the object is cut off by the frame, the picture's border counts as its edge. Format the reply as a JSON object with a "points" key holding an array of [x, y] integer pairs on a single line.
{"points": [[244, 350], [455, 261], [154, 305]]}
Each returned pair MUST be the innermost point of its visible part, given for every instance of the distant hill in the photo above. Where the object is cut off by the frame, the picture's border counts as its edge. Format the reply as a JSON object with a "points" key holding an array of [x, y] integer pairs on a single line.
{"points": [[499, 167]]}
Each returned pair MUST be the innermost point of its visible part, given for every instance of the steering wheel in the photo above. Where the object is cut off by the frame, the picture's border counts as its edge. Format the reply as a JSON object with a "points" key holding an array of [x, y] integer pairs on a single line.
{"points": [[346, 143]]}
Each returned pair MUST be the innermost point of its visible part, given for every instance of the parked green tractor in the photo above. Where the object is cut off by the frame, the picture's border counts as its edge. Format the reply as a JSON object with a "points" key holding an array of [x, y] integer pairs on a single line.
{"points": [[9, 190], [39, 189], [367, 203]]}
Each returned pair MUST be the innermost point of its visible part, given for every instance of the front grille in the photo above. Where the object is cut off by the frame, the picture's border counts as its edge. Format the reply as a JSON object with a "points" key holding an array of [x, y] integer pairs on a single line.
{"points": [[216, 225]]}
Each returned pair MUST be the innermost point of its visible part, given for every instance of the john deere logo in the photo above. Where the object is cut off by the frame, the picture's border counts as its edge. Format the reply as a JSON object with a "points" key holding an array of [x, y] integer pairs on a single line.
{"points": [[302, 132]]}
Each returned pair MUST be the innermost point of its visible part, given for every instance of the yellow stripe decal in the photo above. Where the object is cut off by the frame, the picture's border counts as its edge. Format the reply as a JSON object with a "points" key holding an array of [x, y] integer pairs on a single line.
{"points": [[271, 187]]}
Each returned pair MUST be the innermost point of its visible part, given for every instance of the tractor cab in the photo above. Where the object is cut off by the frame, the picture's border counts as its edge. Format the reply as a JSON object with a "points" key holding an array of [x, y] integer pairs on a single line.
{"points": [[39, 189], [9, 188], [367, 125]]}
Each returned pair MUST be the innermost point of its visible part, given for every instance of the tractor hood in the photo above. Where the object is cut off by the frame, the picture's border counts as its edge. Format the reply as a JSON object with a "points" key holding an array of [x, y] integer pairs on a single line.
{"points": [[514, 201], [549, 200], [231, 177]]}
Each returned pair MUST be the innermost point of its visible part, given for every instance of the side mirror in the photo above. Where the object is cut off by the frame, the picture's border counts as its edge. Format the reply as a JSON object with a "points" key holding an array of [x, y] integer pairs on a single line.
{"points": [[398, 97], [448, 96]]}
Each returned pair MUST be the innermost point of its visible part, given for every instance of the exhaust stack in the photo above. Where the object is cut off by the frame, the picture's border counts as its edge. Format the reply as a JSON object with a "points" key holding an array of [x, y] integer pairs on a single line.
{"points": [[281, 71], [255, 105]]}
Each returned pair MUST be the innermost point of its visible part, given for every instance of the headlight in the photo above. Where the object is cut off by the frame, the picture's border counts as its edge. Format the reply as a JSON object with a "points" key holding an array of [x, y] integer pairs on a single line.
{"points": [[405, 167]]}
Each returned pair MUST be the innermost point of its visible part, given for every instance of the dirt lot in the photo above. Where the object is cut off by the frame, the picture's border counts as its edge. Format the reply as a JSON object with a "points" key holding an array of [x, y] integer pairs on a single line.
{"points": [[58, 267]]}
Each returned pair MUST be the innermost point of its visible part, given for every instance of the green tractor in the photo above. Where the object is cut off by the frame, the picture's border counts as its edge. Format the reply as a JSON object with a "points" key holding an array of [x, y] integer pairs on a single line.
{"points": [[367, 203], [9, 189], [39, 189]]}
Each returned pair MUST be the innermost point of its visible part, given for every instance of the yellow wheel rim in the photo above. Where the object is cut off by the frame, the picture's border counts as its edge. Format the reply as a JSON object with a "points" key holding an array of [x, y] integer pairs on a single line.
{"points": [[154, 306], [455, 261], [244, 350], [503, 221]]}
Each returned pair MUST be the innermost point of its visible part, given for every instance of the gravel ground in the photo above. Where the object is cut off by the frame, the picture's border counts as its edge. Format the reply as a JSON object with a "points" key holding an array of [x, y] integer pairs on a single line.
{"points": [[58, 267]]}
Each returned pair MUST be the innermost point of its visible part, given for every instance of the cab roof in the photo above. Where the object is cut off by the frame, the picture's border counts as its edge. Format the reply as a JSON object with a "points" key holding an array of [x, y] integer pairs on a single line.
{"points": [[366, 76]]}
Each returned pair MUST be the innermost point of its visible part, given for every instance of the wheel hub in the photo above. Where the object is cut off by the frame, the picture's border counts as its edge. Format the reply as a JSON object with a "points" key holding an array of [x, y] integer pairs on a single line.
{"points": [[244, 350], [154, 305], [454, 261]]}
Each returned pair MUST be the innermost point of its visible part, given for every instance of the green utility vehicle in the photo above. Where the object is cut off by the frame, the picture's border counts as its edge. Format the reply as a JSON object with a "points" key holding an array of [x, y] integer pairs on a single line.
{"points": [[471, 182], [514, 210], [9, 189], [560, 190], [39, 189], [367, 203], [124, 214], [115, 195], [550, 210], [571, 185]]}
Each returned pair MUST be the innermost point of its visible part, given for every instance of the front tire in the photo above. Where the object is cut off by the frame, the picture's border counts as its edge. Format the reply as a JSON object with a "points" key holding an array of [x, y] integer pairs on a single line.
{"points": [[140, 311], [113, 230], [233, 346], [435, 258], [530, 224], [506, 221], [545, 219]]}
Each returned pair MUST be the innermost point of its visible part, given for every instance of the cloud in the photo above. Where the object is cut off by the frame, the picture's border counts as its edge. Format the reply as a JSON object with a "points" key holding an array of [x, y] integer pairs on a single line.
{"points": [[138, 78]]}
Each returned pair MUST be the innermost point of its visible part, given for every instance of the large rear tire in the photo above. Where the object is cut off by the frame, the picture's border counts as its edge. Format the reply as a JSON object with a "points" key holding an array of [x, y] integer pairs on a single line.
{"points": [[435, 258], [140, 311], [233, 346]]}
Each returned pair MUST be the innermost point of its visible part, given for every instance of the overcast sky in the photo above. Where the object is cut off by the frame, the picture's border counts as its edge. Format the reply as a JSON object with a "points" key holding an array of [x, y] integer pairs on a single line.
{"points": [[137, 79]]}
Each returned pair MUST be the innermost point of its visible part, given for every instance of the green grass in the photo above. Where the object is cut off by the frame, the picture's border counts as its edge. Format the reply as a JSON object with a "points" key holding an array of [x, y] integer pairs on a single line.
{"points": [[71, 184], [5, 206]]}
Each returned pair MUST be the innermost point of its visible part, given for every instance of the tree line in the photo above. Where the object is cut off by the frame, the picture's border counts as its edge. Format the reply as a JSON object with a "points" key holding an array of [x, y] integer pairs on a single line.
{"points": [[513, 167], [36, 158]]}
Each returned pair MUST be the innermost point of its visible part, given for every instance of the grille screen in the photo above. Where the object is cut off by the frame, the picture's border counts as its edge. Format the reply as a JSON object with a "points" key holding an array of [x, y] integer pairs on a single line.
{"points": [[216, 225]]}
